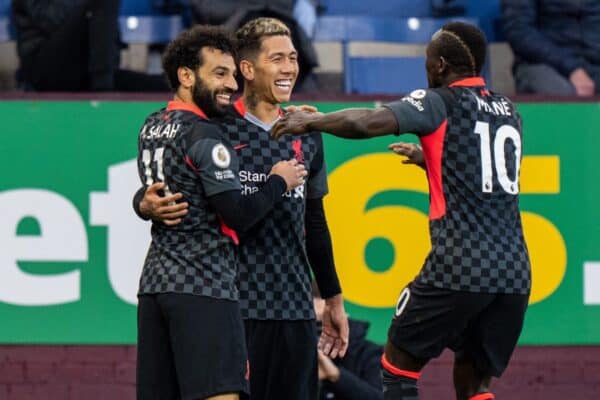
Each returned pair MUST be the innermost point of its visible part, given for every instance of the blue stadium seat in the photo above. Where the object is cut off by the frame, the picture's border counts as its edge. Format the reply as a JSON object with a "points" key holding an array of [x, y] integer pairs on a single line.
{"points": [[389, 8], [136, 7], [346, 29], [5, 32], [150, 29], [387, 29], [386, 75]]}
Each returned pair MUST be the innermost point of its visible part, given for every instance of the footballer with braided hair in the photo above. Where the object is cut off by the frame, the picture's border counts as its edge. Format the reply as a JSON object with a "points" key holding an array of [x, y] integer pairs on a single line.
{"points": [[472, 291]]}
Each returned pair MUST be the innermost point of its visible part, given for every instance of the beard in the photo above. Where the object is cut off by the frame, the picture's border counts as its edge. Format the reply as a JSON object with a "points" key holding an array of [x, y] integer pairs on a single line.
{"points": [[206, 99]]}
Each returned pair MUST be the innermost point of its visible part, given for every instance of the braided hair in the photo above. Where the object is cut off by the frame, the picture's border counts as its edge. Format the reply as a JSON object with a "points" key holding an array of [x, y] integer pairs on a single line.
{"points": [[462, 45]]}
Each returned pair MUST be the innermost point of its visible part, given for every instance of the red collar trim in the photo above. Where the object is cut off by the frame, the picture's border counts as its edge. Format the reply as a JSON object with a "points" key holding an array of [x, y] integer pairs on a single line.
{"points": [[180, 105], [240, 107], [474, 81]]}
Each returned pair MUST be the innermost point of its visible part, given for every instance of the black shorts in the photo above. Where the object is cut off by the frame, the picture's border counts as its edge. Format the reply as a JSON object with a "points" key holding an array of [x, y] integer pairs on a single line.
{"points": [[480, 327], [283, 359], [189, 347]]}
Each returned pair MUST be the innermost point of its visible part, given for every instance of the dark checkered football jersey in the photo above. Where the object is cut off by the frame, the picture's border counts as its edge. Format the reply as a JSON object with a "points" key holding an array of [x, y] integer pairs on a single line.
{"points": [[274, 280], [179, 146], [472, 142]]}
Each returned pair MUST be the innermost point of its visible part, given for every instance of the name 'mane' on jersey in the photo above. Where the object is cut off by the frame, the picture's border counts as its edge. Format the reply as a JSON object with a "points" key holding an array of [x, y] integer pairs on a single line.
{"points": [[472, 144]]}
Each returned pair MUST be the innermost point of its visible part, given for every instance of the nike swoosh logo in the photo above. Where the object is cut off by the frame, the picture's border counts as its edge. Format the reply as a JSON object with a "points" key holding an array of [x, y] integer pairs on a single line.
{"points": [[240, 146]]}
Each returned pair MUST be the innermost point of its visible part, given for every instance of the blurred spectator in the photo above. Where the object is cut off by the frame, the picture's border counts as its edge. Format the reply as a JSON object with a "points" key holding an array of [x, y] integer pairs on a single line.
{"points": [[556, 45], [357, 375], [235, 13], [73, 45], [305, 13]]}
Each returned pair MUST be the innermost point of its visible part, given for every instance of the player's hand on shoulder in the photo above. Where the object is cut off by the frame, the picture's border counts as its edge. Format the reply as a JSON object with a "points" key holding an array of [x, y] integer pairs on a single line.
{"points": [[163, 208], [292, 172], [293, 123], [412, 151]]}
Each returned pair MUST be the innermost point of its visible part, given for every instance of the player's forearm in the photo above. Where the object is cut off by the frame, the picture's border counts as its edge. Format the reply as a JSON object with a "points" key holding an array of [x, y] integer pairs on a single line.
{"points": [[241, 212], [349, 124], [356, 123], [320, 250]]}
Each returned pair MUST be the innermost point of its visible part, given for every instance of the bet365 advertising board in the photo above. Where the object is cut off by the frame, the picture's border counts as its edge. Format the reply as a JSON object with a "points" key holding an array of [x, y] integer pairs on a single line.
{"points": [[71, 249]]}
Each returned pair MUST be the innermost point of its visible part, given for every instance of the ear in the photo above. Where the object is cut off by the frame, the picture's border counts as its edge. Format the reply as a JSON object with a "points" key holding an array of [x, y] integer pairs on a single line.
{"points": [[247, 70], [186, 77], [442, 65]]}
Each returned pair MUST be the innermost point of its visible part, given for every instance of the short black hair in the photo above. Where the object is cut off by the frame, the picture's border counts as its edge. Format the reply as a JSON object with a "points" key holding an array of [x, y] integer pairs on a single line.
{"points": [[251, 35], [185, 49], [462, 45]]}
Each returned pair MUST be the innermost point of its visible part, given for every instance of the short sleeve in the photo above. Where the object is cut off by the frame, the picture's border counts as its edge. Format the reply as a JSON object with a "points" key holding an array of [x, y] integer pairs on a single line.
{"points": [[421, 112], [316, 186], [215, 162]]}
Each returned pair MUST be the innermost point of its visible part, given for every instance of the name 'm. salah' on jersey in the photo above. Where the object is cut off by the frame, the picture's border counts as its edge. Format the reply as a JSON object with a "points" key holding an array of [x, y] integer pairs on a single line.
{"points": [[274, 277], [180, 147], [471, 141]]}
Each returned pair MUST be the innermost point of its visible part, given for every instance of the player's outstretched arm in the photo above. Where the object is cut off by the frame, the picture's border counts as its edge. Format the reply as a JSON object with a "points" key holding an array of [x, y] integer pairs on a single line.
{"points": [[353, 123]]}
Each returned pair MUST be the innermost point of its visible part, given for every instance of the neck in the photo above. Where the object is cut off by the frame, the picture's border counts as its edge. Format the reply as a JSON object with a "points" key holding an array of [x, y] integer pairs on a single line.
{"points": [[183, 95], [262, 109], [453, 77]]}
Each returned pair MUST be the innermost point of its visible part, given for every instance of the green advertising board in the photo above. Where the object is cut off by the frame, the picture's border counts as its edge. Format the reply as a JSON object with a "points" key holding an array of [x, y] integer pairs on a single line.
{"points": [[71, 249]]}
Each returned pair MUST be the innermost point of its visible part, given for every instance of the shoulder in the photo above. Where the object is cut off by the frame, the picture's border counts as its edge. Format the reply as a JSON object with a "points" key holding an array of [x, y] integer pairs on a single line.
{"points": [[204, 129]]}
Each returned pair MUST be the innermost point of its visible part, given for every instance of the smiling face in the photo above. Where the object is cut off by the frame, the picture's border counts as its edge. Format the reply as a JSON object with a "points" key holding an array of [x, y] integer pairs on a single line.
{"points": [[214, 81], [275, 69]]}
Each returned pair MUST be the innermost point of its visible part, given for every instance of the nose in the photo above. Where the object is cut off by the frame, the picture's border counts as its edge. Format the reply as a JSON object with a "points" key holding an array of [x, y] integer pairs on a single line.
{"points": [[289, 66], [231, 83]]}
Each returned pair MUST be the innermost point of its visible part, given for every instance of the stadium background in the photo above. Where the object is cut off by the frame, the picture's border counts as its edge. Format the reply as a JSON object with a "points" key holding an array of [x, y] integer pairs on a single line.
{"points": [[72, 248]]}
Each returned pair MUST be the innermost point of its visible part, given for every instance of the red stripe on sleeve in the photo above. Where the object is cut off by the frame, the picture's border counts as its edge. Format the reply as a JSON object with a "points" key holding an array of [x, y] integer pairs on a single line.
{"points": [[433, 148], [227, 231], [190, 164]]}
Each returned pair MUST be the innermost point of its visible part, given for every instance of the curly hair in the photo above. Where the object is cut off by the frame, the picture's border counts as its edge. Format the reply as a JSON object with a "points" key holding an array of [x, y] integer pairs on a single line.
{"points": [[251, 34], [462, 45], [185, 49]]}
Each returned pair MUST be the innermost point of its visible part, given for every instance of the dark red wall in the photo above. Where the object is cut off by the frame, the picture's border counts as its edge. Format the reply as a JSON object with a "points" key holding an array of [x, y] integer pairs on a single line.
{"points": [[108, 372]]}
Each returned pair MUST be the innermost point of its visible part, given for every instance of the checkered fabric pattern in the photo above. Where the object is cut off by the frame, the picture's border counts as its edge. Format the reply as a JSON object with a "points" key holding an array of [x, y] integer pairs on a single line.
{"points": [[194, 257], [478, 246], [274, 281]]}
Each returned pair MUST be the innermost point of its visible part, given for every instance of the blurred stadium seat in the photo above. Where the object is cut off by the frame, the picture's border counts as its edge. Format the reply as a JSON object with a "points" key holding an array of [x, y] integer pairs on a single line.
{"points": [[149, 29], [348, 29], [137, 7], [6, 32], [386, 75], [395, 8]]}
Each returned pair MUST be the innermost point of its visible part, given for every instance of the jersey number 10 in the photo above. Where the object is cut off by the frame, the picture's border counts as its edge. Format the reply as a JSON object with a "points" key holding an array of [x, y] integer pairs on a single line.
{"points": [[504, 133]]}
